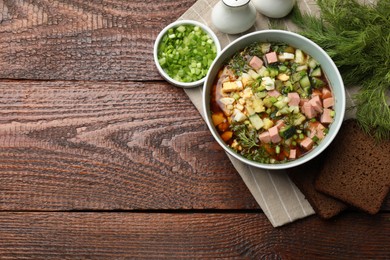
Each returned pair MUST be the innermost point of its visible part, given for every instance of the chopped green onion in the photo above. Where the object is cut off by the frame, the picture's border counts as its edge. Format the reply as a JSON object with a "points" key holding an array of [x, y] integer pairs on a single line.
{"points": [[186, 52]]}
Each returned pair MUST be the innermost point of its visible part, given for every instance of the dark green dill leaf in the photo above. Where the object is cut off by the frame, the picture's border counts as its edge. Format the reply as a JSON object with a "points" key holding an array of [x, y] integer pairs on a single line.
{"points": [[357, 37], [247, 138], [238, 64], [254, 50]]}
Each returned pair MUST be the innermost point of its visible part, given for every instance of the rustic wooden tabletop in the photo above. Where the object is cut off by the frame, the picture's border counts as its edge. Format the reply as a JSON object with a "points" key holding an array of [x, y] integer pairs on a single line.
{"points": [[100, 158]]}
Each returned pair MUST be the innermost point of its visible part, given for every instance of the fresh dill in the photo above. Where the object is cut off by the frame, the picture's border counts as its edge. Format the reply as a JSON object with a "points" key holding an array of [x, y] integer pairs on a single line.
{"points": [[247, 138], [357, 37]]}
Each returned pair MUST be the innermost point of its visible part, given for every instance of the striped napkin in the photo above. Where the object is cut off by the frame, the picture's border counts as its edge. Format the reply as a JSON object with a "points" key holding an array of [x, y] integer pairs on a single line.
{"points": [[279, 198]]}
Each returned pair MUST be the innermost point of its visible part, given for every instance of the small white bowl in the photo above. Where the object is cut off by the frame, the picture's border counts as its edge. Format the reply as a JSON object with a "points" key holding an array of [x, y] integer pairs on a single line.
{"points": [[156, 46]]}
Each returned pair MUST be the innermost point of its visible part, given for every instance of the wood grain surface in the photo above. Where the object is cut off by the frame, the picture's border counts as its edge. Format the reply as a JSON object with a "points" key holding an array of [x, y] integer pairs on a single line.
{"points": [[201, 236], [112, 145], [82, 40]]}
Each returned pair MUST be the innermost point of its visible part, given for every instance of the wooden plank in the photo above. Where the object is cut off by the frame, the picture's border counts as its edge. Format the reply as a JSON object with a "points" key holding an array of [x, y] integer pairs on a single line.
{"points": [[156, 236], [83, 40], [110, 145]]}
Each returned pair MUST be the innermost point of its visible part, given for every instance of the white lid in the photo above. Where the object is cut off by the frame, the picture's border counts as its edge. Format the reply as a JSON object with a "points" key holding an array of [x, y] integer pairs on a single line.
{"points": [[235, 3]]}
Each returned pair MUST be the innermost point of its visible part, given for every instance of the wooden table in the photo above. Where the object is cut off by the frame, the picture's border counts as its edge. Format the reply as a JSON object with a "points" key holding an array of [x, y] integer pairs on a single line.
{"points": [[101, 158]]}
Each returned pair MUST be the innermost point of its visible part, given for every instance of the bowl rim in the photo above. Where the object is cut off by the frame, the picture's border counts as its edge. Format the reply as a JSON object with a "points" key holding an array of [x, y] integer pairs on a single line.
{"points": [[157, 42], [336, 125]]}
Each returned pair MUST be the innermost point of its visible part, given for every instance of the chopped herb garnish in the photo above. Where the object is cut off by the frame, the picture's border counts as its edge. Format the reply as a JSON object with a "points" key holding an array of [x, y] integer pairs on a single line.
{"points": [[357, 37], [186, 53]]}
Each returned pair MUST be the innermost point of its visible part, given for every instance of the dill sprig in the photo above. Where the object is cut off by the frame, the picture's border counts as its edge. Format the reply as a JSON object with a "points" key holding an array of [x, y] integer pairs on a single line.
{"points": [[246, 138], [357, 37]]}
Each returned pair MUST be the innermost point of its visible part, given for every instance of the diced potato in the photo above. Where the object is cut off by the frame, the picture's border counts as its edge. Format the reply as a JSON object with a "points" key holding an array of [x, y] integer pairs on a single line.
{"points": [[239, 116], [240, 107], [283, 77], [227, 100], [248, 93], [268, 82], [258, 105]]}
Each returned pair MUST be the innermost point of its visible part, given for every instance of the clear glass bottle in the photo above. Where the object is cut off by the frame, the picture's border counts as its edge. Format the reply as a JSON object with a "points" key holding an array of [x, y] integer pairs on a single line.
{"points": [[233, 16], [274, 8]]}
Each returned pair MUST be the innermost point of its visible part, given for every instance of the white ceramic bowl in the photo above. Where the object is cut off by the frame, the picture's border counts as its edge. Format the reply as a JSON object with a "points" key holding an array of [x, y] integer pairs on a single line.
{"points": [[156, 46], [298, 41]]}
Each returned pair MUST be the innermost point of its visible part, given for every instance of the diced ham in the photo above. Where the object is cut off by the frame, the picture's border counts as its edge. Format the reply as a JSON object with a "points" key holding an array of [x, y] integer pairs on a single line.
{"points": [[256, 63], [294, 99], [271, 57], [320, 131], [303, 101], [316, 129], [293, 154], [265, 137], [308, 110], [274, 93], [326, 118], [328, 102], [326, 93], [316, 103], [274, 134], [307, 143], [280, 124]]}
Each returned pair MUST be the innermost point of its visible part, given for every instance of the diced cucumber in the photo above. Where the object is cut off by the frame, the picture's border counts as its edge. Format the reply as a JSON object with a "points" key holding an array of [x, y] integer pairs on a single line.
{"points": [[287, 131], [268, 123], [250, 110], [282, 68], [298, 119], [261, 94], [278, 85], [305, 82], [317, 83], [256, 121], [280, 104], [267, 102], [273, 72], [316, 72], [312, 63], [297, 76], [283, 111]]}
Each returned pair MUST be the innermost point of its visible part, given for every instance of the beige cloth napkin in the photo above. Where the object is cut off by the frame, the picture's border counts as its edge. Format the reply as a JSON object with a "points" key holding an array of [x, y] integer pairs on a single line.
{"points": [[279, 198]]}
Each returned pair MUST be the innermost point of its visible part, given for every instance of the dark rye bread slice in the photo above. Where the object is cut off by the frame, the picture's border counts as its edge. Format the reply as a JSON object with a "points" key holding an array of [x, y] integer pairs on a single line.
{"points": [[303, 176], [357, 170]]}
